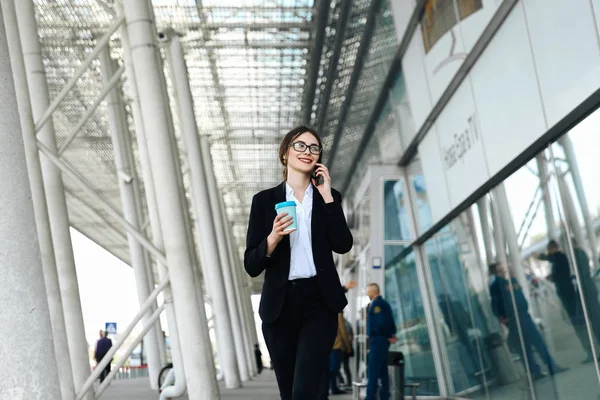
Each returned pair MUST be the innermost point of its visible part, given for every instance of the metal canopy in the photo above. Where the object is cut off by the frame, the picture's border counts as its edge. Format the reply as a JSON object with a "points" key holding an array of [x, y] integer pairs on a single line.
{"points": [[251, 63]]}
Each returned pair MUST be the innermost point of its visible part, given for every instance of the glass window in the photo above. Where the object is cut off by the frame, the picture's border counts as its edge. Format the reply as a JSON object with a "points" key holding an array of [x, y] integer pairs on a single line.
{"points": [[396, 226], [404, 295], [424, 221], [473, 340]]}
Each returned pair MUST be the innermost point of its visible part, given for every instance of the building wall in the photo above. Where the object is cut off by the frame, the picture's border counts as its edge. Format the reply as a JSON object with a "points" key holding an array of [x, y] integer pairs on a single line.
{"points": [[541, 64], [543, 61]]}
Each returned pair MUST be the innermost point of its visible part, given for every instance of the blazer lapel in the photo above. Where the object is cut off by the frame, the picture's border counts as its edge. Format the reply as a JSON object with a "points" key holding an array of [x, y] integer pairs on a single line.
{"points": [[317, 210], [279, 196]]}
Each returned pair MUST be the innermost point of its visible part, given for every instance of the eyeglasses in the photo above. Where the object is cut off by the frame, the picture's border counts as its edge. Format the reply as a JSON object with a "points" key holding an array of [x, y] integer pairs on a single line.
{"points": [[301, 147]]}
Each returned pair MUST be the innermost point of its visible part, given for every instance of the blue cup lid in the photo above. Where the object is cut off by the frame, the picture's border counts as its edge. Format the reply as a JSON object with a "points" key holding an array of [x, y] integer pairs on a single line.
{"points": [[285, 204]]}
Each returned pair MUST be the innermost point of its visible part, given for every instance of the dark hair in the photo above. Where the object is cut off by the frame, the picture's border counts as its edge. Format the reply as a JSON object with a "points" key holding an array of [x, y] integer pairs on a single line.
{"points": [[375, 285], [289, 138], [493, 268], [552, 244]]}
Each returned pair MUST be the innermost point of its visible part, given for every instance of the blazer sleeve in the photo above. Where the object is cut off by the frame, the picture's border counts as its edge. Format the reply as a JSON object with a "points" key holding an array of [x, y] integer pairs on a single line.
{"points": [[338, 233], [255, 256]]}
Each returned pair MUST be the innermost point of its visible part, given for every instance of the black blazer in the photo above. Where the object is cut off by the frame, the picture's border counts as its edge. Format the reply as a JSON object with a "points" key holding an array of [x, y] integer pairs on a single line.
{"points": [[329, 233]]}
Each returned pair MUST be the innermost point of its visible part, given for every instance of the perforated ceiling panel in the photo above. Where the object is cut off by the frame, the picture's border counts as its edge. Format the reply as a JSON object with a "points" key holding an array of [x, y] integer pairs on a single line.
{"points": [[248, 63]]}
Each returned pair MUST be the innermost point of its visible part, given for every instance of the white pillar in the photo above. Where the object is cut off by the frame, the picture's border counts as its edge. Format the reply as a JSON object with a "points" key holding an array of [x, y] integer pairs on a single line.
{"points": [[28, 367], [213, 269], [57, 319], [510, 235], [483, 209], [130, 203], [191, 316], [243, 280], [155, 226], [243, 301], [226, 263], [588, 221], [571, 217], [55, 197], [544, 177]]}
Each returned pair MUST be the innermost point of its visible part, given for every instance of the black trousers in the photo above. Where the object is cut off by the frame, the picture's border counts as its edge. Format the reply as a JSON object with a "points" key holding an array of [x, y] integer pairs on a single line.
{"points": [[300, 340], [104, 373]]}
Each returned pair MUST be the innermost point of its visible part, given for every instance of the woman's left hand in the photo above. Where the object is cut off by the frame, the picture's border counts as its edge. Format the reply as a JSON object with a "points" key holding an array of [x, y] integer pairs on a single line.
{"points": [[324, 188]]}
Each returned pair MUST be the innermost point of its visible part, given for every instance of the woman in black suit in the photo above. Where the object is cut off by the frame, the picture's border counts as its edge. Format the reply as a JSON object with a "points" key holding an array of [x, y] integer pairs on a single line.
{"points": [[302, 293]]}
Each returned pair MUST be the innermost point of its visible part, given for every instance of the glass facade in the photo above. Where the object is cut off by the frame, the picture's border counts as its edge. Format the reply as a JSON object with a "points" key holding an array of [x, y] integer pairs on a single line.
{"points": [[513, 313], [500, 301], [409, 315]]}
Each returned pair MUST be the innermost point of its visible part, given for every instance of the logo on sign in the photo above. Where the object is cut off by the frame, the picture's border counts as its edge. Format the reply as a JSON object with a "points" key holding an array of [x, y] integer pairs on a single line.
{"points": [[462, 142], [111, 328]]}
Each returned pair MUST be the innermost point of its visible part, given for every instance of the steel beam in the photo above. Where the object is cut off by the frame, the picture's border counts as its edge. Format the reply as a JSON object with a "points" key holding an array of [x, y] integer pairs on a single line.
{"points": [[361, 55], [108, 207], [319, 25], [147, 305], [340, 35], [114, 81], [82, 68]]}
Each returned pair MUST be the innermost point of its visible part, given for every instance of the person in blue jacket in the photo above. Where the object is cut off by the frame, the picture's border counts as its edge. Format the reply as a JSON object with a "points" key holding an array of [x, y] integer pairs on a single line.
{"points": [[381, 330]]}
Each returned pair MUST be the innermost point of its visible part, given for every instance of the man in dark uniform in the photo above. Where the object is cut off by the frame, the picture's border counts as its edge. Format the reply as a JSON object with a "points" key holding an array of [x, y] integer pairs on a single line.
{"points": [[503, 308], [565, 290], [381, 330], [102, 347]]}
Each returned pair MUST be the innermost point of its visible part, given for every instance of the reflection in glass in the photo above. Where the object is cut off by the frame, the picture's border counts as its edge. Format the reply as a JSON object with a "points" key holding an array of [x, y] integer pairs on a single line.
{"points": [[424, 221], [395, 213], [558, 256], [404, 295], [461, 312]]}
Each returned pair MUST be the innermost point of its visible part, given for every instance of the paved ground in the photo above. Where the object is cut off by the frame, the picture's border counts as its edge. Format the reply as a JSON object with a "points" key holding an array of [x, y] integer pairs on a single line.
{"points": [[261, 388]]}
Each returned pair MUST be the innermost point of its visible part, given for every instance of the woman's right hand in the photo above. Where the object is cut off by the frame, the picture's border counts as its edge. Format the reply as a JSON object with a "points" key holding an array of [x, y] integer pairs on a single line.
{"points": [[280, 224]]}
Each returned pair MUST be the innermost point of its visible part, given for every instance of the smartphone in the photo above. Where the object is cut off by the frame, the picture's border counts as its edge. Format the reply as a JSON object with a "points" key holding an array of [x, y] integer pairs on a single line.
{"points": [[318, 179]]}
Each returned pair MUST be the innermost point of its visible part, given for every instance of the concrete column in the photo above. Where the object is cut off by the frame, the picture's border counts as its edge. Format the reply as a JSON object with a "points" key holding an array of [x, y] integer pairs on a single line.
{"points": [[510, 235], [226, 263], [155, 227], [55, 197], [239, 276], [483, 209], [542, 166], [57, 319], [191, 316], [131, 204], [28, 367], [243, 282], [213, 270], [241, 296], [588, 221]]}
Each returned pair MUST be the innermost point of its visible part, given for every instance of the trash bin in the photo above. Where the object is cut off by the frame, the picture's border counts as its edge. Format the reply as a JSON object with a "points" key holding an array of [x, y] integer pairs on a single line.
{"points": [[396, 372]]}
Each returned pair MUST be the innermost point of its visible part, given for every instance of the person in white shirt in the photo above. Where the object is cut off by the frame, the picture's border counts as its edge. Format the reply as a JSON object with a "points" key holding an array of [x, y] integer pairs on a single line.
{"points": [[302, 293]]}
